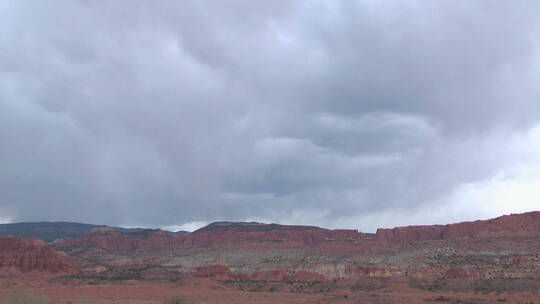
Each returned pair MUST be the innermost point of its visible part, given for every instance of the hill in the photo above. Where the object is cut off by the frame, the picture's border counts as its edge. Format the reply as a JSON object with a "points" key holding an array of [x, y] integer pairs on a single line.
{"points": [[252, 227], [55, 231]]}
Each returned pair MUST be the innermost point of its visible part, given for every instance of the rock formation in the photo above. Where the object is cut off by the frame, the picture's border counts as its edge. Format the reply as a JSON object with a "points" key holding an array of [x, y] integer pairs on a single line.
{"points": [[525, 224], [29, 254], [289, 236]]}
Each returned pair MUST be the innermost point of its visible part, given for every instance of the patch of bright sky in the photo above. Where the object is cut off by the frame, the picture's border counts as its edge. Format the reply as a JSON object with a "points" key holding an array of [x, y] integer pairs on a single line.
{"points": [[513, 190], [190, 226], [5, 219]]}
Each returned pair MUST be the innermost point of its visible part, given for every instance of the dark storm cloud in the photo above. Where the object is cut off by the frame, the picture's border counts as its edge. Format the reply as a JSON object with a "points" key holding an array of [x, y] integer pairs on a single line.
{"points": [[164, 113]]}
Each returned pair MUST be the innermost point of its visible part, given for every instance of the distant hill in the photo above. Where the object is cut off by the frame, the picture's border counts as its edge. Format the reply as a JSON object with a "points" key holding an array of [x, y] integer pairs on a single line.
{"points": [[51, 231], [46, 231], [251, 226]]}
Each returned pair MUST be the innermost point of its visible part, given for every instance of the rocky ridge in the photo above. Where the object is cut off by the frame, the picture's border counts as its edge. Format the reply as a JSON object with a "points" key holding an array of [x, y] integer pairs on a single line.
{"points": [[515, 225], [29, 254], [292, 236]]}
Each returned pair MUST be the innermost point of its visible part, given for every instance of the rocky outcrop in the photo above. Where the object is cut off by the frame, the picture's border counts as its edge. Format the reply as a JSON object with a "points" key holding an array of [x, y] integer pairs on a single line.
{"points": [[411, 234], [28, 254], [108, 238], [113, 240], [515, 225], [292, 237]]}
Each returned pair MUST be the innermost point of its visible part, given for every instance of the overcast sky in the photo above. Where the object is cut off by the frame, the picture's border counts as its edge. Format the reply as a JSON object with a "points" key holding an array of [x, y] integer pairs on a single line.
{"points": [[343, 114]]}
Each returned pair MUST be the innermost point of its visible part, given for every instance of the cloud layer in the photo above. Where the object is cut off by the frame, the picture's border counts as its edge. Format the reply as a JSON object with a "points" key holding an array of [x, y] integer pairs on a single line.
{"points": [[312, 112]]}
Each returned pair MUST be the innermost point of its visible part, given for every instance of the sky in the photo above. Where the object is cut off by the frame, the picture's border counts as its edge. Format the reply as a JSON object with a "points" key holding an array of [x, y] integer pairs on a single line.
{"points": [[341, 114]]}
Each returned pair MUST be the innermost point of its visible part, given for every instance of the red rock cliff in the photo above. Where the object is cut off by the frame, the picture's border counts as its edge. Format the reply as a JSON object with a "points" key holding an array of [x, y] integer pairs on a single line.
{"points": [[29, 254], [113, 240], [110, 239], [515, 225]]}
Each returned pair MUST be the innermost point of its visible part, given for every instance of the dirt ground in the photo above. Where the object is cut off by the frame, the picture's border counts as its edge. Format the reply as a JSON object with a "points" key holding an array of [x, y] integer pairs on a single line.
{"points": [[212, 292]]}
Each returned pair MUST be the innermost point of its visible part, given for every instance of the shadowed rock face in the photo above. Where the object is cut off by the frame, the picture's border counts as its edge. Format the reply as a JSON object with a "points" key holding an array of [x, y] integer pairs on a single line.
{"points": [[31, 255]]}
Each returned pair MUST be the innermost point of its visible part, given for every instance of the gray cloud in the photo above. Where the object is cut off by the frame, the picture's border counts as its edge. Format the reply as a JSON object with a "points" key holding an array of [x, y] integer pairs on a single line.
{"points": [[164, 113]]}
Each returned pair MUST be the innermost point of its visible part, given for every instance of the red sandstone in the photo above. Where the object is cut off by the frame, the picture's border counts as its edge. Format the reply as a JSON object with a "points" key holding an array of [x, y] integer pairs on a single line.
{"points": [[516, 225], [31, 255]]}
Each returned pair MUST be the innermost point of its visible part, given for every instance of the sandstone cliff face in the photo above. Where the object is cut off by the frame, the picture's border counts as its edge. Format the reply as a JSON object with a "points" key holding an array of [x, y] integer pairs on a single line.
{"points": [[112, 240], [515, 225], [27, 254], [294, 238], [410, 234]]}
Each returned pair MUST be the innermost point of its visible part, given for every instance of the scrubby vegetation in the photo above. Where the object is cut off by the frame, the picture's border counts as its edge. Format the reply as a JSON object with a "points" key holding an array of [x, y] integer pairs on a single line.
{"points": [[26, 298], [177, 300], [31, 298]]}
